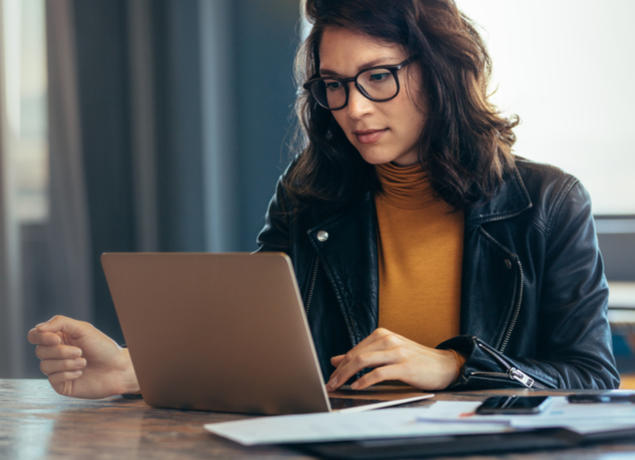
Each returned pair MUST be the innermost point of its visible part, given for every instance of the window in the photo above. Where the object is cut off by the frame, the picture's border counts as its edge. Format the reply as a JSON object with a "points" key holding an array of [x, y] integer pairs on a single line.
{"points": [[25, 128]]}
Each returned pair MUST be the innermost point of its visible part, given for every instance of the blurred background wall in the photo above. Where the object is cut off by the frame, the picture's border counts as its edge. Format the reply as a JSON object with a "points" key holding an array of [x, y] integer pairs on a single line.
{"points": [[162, 126]]}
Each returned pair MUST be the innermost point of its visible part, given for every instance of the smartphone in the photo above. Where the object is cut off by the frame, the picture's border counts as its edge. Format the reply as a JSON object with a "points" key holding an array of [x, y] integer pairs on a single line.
{"points": [[513, 405]]}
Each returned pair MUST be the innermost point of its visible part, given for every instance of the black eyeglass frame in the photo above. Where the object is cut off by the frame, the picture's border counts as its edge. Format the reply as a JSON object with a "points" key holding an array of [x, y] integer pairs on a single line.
{"points": [[345, 81]]}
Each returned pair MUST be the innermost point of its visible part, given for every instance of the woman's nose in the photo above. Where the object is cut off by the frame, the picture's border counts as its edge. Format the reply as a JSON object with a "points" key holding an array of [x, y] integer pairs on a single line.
{"points": [[358, 104]]}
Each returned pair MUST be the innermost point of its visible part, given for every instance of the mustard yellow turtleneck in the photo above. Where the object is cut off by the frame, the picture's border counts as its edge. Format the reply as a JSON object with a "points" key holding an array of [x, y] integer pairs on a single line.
{"points": [[420, 256]]}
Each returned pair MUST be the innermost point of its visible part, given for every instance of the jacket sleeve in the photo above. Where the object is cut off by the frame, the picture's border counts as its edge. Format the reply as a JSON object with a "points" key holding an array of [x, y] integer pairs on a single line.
{"points": [[274, 235], [574, 334]]}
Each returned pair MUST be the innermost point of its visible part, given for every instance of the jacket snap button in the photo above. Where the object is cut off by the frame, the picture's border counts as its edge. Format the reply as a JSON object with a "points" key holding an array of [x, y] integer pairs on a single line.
{"points": [[508, 264], [322, 236]]}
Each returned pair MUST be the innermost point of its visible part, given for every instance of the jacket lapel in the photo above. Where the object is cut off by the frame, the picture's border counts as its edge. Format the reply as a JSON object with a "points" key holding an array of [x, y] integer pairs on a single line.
{"points": [[492, 274], [510, 200], [346, 244]]}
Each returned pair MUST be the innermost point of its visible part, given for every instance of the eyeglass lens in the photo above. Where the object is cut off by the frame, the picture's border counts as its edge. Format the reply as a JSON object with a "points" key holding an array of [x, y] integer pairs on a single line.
{"points": [[377, 84]]}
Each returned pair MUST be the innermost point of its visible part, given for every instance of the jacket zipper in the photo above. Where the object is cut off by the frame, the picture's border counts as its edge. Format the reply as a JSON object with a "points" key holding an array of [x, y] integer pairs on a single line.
{"points": [[514, 319], [309, 295], [512, 372], [518, 293]]}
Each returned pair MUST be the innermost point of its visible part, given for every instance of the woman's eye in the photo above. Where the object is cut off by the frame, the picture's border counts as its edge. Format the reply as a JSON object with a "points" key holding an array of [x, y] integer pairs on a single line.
{"points": [[379, 76], [332, 85]]}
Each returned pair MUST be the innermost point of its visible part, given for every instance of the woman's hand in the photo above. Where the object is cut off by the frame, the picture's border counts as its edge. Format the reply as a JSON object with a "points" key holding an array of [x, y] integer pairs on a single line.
{"points": [[395, 357], [82, 361]]}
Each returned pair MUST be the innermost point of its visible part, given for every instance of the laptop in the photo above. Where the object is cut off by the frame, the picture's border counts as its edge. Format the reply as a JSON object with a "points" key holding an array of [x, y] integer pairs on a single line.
{"points": [[220, 332]]}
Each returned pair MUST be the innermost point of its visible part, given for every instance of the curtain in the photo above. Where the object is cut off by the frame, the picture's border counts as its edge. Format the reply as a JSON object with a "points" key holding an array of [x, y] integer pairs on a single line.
{"points": [[166, 119], [67, 233]]}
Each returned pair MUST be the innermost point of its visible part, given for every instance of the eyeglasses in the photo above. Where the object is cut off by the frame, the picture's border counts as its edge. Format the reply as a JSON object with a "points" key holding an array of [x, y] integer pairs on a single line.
{"points": [[379, 84]]}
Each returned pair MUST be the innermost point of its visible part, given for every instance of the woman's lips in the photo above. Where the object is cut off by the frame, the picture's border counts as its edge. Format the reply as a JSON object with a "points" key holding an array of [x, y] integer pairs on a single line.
{"points": [[369, 136]]}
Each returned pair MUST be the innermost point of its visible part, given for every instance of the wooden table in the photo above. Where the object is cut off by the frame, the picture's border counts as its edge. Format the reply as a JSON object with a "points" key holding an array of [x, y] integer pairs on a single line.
{"points": [[35, 422]]}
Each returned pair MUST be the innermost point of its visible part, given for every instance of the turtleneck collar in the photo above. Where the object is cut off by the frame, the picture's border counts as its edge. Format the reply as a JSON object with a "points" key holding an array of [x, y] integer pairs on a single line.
{"points": [[406, 187]]}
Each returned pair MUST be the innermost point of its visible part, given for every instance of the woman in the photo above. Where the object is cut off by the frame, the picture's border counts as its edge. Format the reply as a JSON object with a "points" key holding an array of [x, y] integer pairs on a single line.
{"points": [[425, 251]]}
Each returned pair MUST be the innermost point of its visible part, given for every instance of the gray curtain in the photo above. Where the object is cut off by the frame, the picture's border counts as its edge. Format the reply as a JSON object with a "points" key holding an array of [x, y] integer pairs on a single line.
{"points": [[45, 267], [67, 233], [165, 135]]}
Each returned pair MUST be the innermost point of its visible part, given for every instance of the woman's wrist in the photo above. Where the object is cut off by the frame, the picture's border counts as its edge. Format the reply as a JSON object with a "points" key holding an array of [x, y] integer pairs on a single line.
{"points": [[459, 361], [455, 362], [129, 382]]}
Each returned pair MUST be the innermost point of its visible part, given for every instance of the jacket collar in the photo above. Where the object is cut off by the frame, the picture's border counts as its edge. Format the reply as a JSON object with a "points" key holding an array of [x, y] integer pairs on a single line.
{"points": [[335, 240], [510, 199]]}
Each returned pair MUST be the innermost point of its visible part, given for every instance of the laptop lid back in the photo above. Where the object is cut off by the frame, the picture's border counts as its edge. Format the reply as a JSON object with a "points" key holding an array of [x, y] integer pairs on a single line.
{"points": [[222, 332]]}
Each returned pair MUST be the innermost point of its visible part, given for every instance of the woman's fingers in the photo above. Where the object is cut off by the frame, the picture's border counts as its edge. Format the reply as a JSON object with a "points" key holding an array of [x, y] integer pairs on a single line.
{"points": [[64, 388], [38, 337], [58, 330], [358, 359], [62, 382], [395, 357], [379, 339], [58, 352], [65, 325], [380, 374], [80, 360], [336, 360], [54, 366]]}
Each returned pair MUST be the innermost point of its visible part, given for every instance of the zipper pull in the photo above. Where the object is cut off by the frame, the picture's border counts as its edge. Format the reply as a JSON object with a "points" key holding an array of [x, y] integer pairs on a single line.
{"points": [[520, 376]]}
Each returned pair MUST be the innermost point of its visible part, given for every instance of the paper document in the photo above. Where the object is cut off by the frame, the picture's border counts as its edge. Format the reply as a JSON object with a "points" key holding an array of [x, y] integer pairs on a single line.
{"points": [[333, 426], [441, 418]]}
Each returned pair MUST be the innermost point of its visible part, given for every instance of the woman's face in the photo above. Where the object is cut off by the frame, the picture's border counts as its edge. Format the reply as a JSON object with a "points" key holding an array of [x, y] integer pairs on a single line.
{"points": [[382, 132]]}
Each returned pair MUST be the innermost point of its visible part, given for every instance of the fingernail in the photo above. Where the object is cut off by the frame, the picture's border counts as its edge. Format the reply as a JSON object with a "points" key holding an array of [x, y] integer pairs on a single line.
{"points": [[38, 325]]}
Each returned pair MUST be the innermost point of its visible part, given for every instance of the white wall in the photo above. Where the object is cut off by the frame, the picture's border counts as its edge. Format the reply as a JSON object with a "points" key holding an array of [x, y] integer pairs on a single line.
{"points": [[567, 67]]}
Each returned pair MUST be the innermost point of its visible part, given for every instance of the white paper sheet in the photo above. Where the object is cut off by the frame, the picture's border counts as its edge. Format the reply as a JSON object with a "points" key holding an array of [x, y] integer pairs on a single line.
{"points": [[386, 423], [443, 417]]}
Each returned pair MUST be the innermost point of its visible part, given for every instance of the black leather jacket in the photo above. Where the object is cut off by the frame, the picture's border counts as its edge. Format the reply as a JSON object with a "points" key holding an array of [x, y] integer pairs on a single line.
{"points": [[534, 295]]}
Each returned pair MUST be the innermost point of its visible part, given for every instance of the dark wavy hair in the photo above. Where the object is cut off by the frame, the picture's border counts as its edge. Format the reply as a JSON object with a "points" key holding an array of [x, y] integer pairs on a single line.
{"points": [[466, 144]]}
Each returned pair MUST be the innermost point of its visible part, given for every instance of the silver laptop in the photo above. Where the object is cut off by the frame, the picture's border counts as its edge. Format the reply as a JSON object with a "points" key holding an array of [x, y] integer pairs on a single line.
{"points": [[221, 332]]}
